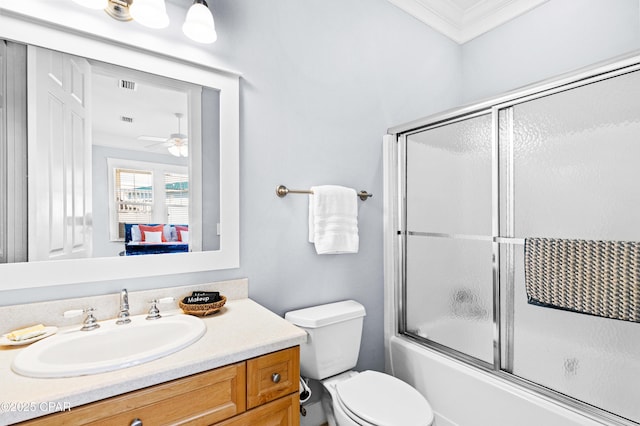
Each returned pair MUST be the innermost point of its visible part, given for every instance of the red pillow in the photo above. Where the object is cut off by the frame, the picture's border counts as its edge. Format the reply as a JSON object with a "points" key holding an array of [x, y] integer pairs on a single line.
{"points": [[157, 228], [181, 228]]}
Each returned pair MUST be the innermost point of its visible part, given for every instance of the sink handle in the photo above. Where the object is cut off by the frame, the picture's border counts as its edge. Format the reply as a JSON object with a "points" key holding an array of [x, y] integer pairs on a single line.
{"points": [[73, 313], [77, 312], [154, 312], [90, 322]]}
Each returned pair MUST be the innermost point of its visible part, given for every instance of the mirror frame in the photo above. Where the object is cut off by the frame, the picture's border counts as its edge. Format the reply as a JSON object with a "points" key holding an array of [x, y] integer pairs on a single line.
{"points": [[27, 29]]}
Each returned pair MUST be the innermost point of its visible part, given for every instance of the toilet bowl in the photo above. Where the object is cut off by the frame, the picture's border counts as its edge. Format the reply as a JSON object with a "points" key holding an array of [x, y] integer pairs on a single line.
{"points": [[369, 398]]}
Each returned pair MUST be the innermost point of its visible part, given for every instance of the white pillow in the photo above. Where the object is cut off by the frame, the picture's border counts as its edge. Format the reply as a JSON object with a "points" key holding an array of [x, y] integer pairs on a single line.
{"points": [[136, 236], [185, 236], [153, 237]]}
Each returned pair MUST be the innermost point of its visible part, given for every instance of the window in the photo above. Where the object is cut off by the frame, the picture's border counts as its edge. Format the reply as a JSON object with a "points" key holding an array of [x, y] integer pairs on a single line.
{"points": [[176, 188], [133, 196], [142, 192]]}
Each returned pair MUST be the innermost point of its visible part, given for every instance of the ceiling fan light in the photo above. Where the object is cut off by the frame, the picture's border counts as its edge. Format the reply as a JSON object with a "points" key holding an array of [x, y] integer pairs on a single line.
{"points": [[92, 4], [199, 25], [174, 150], [184, 150], [150, 13]]}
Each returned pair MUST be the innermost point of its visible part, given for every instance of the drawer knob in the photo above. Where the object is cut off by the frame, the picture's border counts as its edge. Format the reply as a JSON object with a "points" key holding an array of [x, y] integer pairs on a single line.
{"points": [[136, 422], [275, 378]]}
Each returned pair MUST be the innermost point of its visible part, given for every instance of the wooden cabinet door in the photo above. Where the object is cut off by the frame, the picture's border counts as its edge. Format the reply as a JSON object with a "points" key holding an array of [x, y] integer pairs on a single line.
{"points": [[201, 399], [272, 376], [281, 412]]}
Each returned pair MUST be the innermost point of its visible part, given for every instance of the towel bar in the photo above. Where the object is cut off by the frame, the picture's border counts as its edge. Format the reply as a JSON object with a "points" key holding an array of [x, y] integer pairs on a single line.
{"points": [[282, 191]]}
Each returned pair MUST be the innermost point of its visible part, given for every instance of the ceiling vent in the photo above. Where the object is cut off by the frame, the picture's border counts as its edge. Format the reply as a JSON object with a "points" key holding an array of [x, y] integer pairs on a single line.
{"points": [[128, 85], [126, 119]]}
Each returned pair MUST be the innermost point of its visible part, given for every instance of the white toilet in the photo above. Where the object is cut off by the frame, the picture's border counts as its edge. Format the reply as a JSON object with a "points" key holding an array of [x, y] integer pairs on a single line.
{"points": [[368, 398]]}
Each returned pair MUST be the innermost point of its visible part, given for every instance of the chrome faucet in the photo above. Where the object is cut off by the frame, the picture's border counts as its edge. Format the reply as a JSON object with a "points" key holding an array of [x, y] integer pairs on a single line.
{"points": [[123, 316]]}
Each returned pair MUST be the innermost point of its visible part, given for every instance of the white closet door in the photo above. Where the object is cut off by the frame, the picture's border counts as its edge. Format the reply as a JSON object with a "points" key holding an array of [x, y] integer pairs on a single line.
{"points": [[59, 155]]}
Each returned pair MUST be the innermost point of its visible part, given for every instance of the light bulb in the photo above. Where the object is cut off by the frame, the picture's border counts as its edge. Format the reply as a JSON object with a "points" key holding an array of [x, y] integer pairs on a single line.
{"points": [[184, 151], [150, 13], [198, 25], [174, 150], [92, 4]]}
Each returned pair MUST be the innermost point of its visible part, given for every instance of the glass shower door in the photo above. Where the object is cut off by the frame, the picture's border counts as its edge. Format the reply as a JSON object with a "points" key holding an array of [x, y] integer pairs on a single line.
{"points": [[553, 167], [449, 247], [574, 166]]}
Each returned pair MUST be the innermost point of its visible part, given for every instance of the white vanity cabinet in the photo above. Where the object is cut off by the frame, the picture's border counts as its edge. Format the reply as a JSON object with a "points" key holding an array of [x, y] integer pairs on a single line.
{"points": [[258, 391]]}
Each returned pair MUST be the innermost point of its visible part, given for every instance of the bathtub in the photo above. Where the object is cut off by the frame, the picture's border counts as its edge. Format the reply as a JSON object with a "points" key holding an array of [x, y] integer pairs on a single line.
{"points": [[464, 396]]}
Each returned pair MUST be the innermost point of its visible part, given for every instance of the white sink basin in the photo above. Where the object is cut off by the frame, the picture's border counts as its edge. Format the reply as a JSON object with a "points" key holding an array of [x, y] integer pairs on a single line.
{"points": [[110, 347]]}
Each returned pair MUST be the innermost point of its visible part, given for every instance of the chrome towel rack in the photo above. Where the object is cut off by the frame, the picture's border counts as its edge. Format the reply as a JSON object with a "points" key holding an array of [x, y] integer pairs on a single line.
{"points": [[282, 191]]}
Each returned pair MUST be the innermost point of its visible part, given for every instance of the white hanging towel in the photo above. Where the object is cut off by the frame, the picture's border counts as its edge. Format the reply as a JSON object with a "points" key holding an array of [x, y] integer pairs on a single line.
{"points": [[333, 219]]}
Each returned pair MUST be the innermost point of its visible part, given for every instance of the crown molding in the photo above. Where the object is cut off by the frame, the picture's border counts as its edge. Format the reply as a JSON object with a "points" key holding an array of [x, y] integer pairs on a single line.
{"points": [[463, 20]]}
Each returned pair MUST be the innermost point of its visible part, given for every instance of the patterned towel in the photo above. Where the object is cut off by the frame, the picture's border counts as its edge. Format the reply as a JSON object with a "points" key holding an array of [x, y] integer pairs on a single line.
{"points": [[593, 277]]}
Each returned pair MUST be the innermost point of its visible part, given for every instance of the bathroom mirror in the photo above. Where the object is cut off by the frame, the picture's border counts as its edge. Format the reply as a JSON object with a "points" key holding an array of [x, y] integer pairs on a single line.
{"points": [[179, 104]]}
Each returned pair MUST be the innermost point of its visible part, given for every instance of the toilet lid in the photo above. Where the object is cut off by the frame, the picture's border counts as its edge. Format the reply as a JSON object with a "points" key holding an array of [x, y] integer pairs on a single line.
{"points": [[384, 400]]}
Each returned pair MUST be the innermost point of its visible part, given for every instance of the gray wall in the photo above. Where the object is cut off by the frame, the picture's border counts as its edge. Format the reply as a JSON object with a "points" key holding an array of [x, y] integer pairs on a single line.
{"points": [[557, 37], [322, 81]]}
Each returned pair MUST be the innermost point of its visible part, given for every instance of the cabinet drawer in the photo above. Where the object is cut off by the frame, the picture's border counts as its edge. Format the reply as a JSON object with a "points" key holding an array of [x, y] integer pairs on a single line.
{"points": [[282, 412], [203, 398], [273, 375]]}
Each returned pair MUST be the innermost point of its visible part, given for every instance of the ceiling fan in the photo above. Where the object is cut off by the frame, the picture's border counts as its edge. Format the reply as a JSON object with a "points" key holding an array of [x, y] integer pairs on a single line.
{"points": [[176, 143]]}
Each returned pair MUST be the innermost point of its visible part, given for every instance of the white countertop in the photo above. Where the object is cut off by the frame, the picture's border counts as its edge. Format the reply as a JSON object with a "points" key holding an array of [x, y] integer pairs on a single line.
{"points": [[242, 330]]}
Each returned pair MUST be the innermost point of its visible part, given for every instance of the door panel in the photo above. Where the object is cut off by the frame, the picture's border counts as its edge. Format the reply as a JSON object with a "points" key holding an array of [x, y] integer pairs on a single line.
{"points": [[60, 156]]}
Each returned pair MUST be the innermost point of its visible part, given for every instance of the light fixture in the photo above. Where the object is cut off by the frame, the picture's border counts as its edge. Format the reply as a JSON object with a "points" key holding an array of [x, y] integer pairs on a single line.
{"points": [[178, 141], [150, 13], [199, 25], [179, 150], [92, 4]]}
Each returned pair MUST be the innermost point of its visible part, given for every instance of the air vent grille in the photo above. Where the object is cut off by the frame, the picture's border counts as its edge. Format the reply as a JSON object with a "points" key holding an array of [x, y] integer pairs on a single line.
{"points": [[128, 85], [126, 119]]}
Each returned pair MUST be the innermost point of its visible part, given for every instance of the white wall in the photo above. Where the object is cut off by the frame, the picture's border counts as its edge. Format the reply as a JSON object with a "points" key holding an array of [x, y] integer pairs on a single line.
{"points": [[556, 37]]}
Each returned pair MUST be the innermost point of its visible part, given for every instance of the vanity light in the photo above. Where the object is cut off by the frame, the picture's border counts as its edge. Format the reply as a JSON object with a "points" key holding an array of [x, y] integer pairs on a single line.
{"points": [[199, 25], [92, 4], [150, 13]]}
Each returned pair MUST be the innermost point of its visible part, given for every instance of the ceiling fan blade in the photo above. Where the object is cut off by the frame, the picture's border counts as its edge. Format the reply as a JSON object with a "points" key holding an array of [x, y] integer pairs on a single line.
{"points": [[165, 143], [152, 138]]}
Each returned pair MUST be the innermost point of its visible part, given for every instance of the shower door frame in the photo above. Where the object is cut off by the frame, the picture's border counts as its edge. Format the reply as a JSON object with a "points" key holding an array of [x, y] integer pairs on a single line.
{"points": [[396, 232]]}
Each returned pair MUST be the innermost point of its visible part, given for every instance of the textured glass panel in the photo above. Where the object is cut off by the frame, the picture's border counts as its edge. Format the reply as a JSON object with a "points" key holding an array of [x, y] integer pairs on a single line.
{"points": [[576, 162], [593, 359], [449, 178], [575, 175], [449, 293]]}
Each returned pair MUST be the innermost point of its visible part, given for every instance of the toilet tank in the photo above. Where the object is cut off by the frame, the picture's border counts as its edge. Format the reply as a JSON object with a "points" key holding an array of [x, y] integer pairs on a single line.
{"points": [[333, 331]]}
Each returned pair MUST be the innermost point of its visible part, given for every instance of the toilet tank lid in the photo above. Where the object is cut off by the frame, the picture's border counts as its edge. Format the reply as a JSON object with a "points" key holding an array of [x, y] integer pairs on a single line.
{"points": [[322, 315]]}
